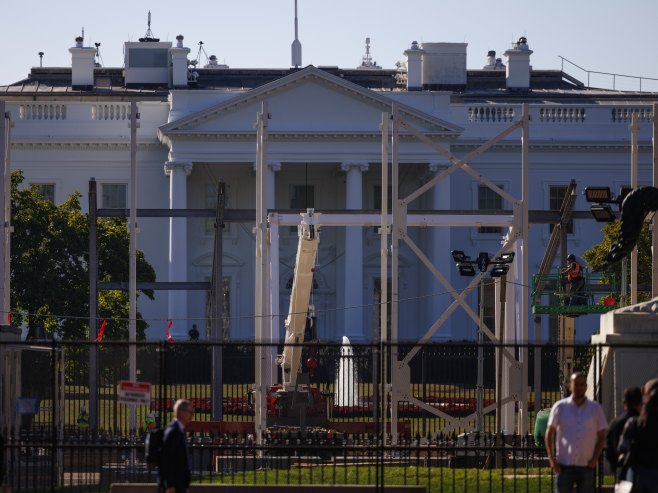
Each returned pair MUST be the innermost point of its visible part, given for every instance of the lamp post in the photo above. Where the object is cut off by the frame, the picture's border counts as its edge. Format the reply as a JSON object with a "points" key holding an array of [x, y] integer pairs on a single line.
{"points": [[466, 267]]}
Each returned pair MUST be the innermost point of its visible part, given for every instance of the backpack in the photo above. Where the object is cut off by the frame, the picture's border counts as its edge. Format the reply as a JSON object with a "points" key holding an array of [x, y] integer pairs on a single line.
{"points": [[153, 447]]}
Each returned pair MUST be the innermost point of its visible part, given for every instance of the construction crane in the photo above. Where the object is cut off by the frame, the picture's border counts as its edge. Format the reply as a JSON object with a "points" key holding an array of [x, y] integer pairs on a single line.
{"points": [[300, 297], [295, 402]]}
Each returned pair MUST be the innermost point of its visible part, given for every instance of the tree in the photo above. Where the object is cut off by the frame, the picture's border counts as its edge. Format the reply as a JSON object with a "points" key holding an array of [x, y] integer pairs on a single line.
{"points": [[49, 267], [595, 256]]}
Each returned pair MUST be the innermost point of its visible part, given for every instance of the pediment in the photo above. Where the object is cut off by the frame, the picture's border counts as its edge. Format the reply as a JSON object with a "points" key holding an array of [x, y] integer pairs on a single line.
{"points": [[310, 101]]}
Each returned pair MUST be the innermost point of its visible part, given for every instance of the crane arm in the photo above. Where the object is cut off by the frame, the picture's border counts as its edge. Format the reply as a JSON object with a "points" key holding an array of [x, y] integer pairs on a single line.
{"points": [[307, 248]]}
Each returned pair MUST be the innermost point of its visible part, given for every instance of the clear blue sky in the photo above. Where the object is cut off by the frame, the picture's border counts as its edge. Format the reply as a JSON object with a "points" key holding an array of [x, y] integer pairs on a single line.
{"points": [[602, 35]]}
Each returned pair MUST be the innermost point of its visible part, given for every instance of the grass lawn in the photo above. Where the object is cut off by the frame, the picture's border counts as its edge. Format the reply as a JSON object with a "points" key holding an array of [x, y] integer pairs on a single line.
{"points": [[438, 479]]}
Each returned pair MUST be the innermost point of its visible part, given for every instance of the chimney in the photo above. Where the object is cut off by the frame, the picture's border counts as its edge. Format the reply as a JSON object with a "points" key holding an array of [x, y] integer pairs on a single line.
{"points": [[179, 63], [414, 67], [82, 65], [518, 65], [444, 64], [491, 60]]}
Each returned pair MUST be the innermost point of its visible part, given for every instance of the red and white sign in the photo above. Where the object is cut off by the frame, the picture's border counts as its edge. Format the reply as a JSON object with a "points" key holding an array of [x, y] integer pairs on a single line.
{"points": [[134, 393]]}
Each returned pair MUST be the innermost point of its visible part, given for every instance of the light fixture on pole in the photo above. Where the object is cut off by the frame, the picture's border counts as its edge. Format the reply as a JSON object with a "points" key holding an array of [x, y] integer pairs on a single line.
{"points": [[466, 267], [601, 198]]}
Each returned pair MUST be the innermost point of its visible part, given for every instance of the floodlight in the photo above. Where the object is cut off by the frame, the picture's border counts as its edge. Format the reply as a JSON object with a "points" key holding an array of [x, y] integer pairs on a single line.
{"points": [[599, 195], [483, 261], [466, 269], [603, 213], [499, 270], [505, 258], [458, 256]]}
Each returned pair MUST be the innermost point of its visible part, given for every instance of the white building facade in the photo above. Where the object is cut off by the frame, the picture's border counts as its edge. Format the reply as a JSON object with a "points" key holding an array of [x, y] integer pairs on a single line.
{"points": [[324, 152]]}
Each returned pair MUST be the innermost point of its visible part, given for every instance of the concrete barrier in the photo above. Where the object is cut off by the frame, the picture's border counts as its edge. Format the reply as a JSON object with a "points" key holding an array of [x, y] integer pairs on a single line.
{"points": [[282, 488]]}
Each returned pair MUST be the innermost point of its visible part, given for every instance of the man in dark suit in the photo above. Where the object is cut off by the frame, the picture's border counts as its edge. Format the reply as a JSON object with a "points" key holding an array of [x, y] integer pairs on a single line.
{"points": [[632, 402], [174, 470]]}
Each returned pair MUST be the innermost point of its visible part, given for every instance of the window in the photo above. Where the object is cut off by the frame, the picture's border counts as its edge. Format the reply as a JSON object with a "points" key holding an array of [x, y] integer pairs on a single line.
{"points": [[377, 198], [555, 198], [302, 197], [488, 200], [149, 58], [210, 202], [46, 190], [114, 196]]}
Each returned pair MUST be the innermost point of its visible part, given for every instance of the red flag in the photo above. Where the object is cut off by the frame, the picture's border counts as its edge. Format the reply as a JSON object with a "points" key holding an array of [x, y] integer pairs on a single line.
{"points": [[168, 332], [8, 318], [101, 331]]}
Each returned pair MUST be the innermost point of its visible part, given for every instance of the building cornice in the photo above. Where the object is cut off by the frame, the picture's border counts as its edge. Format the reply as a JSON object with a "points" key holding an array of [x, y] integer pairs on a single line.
{"points": [[82, 146]]}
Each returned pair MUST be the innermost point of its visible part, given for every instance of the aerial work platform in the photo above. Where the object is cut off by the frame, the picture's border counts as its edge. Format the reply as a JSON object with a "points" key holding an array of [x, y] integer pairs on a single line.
{"points": [[550, 295]]}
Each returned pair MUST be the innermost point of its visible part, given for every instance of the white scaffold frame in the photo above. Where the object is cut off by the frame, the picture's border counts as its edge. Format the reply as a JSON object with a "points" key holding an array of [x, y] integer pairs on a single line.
{"points": [[516, 328]]}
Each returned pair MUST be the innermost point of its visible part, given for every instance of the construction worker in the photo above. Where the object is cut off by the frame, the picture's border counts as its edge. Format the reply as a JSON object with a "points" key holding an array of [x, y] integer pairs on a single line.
{"points": [[575, 280]]}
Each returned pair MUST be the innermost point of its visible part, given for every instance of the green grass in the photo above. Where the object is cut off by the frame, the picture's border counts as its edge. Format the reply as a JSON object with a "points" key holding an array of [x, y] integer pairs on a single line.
{"points": [[435, 478]]}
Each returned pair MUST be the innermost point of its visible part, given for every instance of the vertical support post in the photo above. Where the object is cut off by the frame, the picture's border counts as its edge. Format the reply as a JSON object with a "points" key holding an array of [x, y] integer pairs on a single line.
{"points": [[274, 299], [654, 227], [523, 275], [383, 306], [261, 272], [480, 369], [217, 322], [395, 274], [502, 297], [132, 267], [634, 152], [93, 306], [5, 201]]}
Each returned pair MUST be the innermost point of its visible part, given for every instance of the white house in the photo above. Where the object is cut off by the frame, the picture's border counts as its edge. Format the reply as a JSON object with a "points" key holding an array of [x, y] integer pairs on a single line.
{"points": [[197, 125]]}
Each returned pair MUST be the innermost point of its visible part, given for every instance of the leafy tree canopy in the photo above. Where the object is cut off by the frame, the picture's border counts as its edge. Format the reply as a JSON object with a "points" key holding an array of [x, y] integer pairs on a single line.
{"points": [[49, 267], [595, 256]]}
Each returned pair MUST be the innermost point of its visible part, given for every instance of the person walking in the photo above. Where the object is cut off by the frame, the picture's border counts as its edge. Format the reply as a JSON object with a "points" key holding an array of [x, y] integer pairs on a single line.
{"points": [[575, 437], [174, 471], [632, 403], [638, 443]]}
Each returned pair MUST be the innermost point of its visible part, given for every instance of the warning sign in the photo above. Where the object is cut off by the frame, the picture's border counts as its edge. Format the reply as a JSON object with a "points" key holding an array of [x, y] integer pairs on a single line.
{"points": [[134, 393]]}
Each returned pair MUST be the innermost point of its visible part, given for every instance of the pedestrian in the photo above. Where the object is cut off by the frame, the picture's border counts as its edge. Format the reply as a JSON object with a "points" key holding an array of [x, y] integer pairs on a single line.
{"points": [[632, 403], [575, 281], [637, 444], [174, 471], [575, 438]]}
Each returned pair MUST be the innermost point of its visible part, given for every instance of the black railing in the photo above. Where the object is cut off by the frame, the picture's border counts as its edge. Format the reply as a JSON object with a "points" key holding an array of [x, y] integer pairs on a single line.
{"points": [[51, 444]]}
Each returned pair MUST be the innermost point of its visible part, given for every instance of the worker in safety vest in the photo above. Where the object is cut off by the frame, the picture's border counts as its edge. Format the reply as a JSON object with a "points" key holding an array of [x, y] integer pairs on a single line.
{"points": [[575, 280]]}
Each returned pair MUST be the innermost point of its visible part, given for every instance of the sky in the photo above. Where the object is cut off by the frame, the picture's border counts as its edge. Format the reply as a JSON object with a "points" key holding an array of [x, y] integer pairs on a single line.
{"points": [[598, 35]]}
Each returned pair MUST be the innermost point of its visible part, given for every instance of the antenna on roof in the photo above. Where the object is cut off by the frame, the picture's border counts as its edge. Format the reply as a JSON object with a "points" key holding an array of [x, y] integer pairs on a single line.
{"points": [[296, 47], [99, 62], [366, 60], [149, 37], [41, 59]]}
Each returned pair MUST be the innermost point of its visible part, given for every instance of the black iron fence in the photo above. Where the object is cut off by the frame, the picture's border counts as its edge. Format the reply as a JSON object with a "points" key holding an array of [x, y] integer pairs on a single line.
{"points": [[51, 442]]}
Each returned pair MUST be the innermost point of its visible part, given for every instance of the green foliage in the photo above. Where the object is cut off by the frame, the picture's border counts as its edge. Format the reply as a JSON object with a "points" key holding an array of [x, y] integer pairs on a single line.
{"points": [[49, 267], [595, 256]]}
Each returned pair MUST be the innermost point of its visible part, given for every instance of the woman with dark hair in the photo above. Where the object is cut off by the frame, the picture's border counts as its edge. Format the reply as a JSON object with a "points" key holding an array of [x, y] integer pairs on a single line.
{"points": [[639, 443]]}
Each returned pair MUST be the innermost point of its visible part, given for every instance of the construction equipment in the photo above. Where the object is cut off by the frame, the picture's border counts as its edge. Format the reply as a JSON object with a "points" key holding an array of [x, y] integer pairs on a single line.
{"points": [[295, 400]]}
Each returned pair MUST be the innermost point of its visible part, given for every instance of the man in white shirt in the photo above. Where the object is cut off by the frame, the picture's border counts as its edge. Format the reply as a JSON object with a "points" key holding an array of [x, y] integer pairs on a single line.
{"points": [[575, 438]]}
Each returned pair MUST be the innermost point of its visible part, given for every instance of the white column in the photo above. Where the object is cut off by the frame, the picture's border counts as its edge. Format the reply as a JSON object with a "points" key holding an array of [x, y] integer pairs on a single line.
{"points": [[353, 320], [177, 308], [439, 253]]}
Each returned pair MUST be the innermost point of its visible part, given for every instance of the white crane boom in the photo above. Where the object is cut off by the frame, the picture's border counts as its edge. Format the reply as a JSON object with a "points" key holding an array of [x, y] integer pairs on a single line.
{"points": [[307, 249]]}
